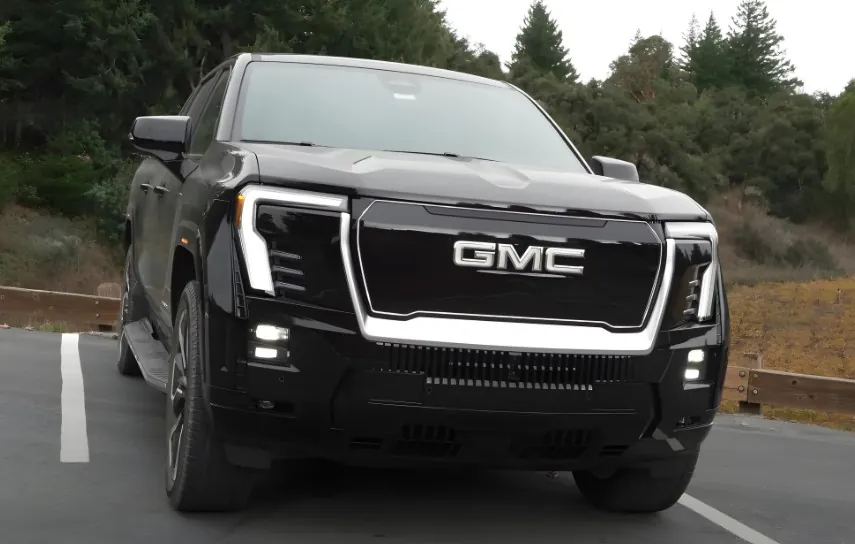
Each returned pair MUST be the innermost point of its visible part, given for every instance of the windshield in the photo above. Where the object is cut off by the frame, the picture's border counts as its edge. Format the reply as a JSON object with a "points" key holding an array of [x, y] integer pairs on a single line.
{"points": [[361, 108]]}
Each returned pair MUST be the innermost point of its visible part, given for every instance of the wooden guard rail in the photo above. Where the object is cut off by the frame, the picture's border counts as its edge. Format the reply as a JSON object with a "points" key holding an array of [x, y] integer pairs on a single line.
{"points": [[749, 384], [753, 386], [83, 310]]}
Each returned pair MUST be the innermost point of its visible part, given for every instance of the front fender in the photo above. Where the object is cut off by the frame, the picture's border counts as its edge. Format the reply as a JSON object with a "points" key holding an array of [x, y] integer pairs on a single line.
{"points": [[188, 236]]}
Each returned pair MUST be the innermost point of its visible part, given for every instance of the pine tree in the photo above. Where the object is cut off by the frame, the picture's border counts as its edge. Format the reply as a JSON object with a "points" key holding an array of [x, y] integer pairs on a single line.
{"points": [[687, 52], [840, 143], [712, 64], [540, 43], [754, 47], [839, 140]]}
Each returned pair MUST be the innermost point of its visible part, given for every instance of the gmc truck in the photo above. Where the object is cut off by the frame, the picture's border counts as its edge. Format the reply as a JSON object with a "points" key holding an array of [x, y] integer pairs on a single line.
{"points": [[381, 264]]}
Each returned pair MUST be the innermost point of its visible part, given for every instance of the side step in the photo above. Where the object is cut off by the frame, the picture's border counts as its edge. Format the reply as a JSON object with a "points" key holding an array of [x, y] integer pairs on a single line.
{"points": [[152, 357]]}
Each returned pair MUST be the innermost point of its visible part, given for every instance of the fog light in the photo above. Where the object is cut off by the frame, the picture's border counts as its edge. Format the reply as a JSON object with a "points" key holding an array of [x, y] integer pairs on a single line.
{"points": [[693, 373], [266, 353], [696, 356], [271, 333]]}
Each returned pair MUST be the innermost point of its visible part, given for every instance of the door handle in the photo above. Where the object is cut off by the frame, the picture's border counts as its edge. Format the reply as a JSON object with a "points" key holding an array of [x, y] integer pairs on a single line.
{"points": [[161, 190], [145, 187]]}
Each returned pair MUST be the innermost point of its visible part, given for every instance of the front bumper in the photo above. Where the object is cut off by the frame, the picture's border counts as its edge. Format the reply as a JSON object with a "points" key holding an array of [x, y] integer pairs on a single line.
{"points": [[346, 398]]}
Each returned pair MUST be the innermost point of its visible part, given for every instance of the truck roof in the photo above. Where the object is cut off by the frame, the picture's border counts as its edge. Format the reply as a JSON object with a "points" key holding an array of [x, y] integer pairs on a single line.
{"points": [[371, 64]]}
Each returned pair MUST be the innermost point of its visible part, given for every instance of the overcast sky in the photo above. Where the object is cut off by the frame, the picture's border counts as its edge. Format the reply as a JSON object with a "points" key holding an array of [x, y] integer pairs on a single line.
{"points": [[817, 33]]}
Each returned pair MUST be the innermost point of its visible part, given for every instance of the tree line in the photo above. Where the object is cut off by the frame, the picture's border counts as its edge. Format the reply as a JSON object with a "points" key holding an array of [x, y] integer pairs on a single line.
{"points": [[721, 112]]}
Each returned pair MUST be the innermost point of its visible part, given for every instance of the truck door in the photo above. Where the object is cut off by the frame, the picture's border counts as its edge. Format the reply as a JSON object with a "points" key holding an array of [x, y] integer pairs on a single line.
{"points": [[172, 188], [161, 200]]}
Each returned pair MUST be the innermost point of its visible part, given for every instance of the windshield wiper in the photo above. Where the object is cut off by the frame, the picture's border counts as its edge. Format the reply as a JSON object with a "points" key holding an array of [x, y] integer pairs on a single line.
{"points": [[312, 144], [279, 142], [444, 154]]}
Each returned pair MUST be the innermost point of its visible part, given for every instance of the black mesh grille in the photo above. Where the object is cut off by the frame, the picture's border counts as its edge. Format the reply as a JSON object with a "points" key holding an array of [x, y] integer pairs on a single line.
{"points": [[482, 368]]}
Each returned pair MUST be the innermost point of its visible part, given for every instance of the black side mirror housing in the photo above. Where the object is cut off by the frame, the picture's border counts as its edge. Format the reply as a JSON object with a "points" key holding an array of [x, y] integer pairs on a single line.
{"points": [[166, 137], [614, 168]]}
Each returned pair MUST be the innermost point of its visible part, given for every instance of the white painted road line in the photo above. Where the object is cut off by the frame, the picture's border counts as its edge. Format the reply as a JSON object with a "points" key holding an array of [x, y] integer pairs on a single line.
{"points": [[74, 442], [723, 520]]}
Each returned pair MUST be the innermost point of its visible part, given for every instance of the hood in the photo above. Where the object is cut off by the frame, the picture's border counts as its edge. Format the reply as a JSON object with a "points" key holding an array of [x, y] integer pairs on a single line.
{"points": [[445, 180]]}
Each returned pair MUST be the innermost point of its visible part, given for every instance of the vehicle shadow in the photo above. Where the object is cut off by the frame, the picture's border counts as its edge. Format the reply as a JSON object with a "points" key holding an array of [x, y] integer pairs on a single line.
{"points": [[319, 502], [328, 500]]}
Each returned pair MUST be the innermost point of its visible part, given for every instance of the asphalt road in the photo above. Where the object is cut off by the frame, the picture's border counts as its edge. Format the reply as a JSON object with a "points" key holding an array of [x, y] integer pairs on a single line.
{"points": [[91, 471]]}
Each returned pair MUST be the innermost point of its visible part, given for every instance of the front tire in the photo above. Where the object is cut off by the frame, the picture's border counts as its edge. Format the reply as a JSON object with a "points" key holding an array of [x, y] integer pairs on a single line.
{"points": [[637, 490], [199, 477]]}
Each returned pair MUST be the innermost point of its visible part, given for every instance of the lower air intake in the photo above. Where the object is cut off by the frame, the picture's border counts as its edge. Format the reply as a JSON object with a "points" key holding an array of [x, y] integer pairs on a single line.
{"points": [[504, 369], [427, 441]]}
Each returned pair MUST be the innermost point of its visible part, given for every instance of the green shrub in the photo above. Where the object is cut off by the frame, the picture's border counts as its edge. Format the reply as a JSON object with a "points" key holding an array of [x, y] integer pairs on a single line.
{"points": [[753, 245], [810, 252], [10, 179], [59, 183], [108, 199], [774, 248]]}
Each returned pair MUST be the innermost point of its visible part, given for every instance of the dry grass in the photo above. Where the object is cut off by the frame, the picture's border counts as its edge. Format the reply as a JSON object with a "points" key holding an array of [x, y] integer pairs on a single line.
{"points": [[797, 327]]}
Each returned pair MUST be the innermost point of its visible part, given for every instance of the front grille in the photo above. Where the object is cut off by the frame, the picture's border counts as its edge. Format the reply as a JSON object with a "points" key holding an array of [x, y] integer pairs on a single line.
{"points": [[483, 368], [408, 260]]}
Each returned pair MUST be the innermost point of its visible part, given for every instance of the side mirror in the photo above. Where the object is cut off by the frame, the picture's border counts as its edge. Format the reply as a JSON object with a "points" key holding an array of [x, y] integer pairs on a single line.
{"points": [[614, 168], [167, 137]]}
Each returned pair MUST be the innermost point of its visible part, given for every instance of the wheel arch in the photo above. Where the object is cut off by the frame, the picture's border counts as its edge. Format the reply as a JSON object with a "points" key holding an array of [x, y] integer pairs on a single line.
{"points": [[185, 269]]}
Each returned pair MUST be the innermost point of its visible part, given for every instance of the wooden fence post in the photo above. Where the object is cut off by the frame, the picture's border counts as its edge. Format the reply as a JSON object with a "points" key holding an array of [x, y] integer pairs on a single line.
{"points": [[752, 361]]}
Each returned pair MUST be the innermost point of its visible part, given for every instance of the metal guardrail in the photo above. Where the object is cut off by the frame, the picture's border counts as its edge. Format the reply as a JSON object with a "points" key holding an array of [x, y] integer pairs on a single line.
{"points": [[748, 384]]}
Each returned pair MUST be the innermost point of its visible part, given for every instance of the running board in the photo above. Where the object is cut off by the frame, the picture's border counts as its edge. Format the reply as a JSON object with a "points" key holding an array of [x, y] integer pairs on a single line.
{"points": [[152, 357]]}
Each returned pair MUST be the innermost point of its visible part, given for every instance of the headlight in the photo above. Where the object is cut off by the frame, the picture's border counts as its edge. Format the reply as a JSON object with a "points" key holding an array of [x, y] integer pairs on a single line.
{"points": [[254, 246], [697, 243]]}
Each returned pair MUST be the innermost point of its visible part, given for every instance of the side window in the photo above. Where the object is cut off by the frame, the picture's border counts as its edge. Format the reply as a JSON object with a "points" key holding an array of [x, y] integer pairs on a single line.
{"points": [[198, 98], [206, 125], [186, 107]]}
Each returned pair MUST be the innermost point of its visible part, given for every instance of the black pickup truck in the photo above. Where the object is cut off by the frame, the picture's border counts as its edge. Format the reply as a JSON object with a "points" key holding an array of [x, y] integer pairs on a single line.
{"points": [[382, 264]]}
